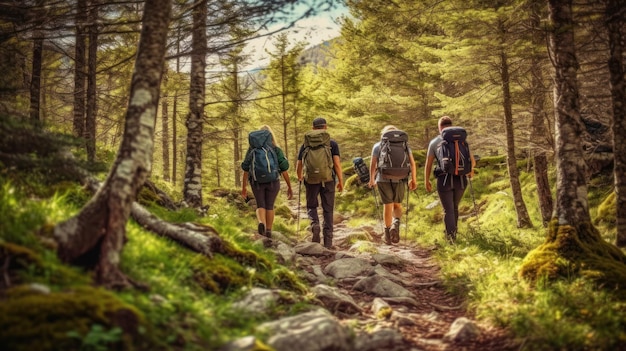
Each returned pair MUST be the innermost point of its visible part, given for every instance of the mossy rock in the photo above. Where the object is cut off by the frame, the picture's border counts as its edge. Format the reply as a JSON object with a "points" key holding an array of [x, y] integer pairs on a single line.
{"points": [[355, 236], [220, 274], [284, 211], [570, 251], [32, 320]]}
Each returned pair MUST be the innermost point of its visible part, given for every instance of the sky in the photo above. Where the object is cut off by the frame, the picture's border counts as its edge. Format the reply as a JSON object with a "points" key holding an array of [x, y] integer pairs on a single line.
{"points": [[313, 30]]}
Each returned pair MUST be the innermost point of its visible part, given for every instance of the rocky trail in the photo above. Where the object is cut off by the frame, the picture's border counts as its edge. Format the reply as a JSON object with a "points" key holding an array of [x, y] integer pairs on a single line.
{"points": [[372, 296]]}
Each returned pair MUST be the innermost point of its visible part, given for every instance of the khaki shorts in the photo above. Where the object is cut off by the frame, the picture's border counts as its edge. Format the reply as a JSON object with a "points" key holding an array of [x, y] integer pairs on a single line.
{"points": [[391, 192]]}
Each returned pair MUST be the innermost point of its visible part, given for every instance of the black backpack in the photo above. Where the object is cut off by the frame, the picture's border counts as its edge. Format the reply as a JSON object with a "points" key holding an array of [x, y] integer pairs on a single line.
{"points": [[361, 170], [264, 165], [453, 153], [394, 162]]}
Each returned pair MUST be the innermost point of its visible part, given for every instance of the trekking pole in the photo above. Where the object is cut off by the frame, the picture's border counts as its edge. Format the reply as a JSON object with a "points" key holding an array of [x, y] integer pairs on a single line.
{"points": [[474, 201], [406, 228], [298, 218]]}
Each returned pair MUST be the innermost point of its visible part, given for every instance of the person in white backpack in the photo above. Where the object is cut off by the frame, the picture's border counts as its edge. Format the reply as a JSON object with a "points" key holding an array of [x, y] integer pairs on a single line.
{"points": [[391, 167], [450, 186]]}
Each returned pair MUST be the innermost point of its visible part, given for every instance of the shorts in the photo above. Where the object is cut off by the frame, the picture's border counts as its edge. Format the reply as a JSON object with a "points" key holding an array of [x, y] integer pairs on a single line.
{"points": [[391, 192], [265, 194]]}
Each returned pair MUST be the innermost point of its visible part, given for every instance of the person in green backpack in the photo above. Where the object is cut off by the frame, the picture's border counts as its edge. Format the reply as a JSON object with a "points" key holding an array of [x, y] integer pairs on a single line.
{"points": [[263, 164], [319, 166]]}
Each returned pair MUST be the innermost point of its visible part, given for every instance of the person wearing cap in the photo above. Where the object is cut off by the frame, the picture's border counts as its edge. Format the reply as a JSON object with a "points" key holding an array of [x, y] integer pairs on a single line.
{"points": [[324, 191]]}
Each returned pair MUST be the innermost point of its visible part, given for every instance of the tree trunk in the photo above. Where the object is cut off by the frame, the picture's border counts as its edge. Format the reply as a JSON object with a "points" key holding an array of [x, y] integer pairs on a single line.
{"points": [[165, 136], [92, 65], [573, 245], [523, 219], [236, 98], [615, 20], [175, 138], [95, 236], [540, 143], [35, 80], [79, 69], [175, 116], [192, 187]]}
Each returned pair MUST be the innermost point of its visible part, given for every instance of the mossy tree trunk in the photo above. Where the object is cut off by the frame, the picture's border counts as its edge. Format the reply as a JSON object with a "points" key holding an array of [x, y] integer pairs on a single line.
{"points": [[573, 245], [615, 20], [192, 184], [95, 236]]}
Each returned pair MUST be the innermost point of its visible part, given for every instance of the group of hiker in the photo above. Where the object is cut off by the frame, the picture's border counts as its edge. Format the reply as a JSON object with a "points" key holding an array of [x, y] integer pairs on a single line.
{"points": [[392, 171]]}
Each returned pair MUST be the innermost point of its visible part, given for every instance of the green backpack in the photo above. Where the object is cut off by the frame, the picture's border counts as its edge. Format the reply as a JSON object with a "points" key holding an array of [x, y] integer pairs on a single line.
{"points": [[317, 158]]}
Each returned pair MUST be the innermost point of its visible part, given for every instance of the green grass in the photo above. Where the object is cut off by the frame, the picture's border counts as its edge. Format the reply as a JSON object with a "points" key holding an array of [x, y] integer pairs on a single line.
{"points": [[185, 314]]}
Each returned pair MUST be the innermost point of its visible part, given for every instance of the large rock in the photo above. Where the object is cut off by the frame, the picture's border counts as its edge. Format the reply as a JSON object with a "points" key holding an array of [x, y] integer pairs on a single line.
{"points": [[349, 268], [381, 286], [311, 331]]}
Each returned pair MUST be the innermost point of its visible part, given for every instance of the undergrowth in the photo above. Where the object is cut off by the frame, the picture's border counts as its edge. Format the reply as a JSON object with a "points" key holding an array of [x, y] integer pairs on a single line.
{"points": [[189, 307]]}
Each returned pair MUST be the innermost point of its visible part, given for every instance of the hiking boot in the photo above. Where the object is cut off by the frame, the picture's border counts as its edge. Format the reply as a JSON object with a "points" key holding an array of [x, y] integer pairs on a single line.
{"points": [[315, 228], [328, 242], [394, 231], [387, 236], [451, 237], [268, 233], [261, 229]]}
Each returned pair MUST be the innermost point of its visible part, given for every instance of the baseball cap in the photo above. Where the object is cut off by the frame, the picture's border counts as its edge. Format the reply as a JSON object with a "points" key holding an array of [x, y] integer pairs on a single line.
{"points": [[319, 122]]}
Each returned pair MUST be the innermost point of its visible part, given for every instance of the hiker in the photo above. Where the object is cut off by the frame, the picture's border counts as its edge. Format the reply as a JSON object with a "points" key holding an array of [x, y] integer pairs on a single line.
{"points": [[265, 190], [450, 186], [319, 166], [392, 184]]}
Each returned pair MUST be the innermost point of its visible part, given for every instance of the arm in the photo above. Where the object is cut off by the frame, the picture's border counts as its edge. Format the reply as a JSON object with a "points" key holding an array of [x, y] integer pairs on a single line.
{"points": [[288, 181], [244, 185], [413, 181], [427, 170], [338, 172], [471, 175], [299, 170], [373, 164]]}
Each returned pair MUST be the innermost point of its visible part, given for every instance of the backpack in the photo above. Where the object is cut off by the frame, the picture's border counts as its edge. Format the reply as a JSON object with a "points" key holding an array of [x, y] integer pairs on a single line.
{"points": [[453, 153], [394, 162], [316, 157], [264, 165], [361, 170]]}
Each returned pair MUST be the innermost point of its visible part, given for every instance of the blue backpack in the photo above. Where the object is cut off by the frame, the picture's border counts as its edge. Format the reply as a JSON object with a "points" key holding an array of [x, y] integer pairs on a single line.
{"points": [[453, 153], [264, 165]]}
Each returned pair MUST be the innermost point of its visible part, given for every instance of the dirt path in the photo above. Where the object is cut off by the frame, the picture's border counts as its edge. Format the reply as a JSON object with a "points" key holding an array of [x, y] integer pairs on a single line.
{"points": [[425, 323]]}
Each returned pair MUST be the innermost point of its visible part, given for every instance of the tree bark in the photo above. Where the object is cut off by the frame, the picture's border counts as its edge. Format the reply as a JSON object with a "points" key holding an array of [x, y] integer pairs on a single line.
{"points": [[573, 245], [192, 186], [79, 69], [35, 80], [615, 20], [523, 219], [95, 236], [92, 68], [165, 136], [541, 143]]}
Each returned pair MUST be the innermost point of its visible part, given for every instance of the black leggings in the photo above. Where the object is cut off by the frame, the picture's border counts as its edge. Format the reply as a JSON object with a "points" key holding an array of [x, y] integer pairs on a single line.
{"points": [[451, 189]]}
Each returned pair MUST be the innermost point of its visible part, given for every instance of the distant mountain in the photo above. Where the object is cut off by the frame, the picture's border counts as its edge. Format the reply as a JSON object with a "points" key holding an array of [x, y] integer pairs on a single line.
{"points": [[318, 54]]}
